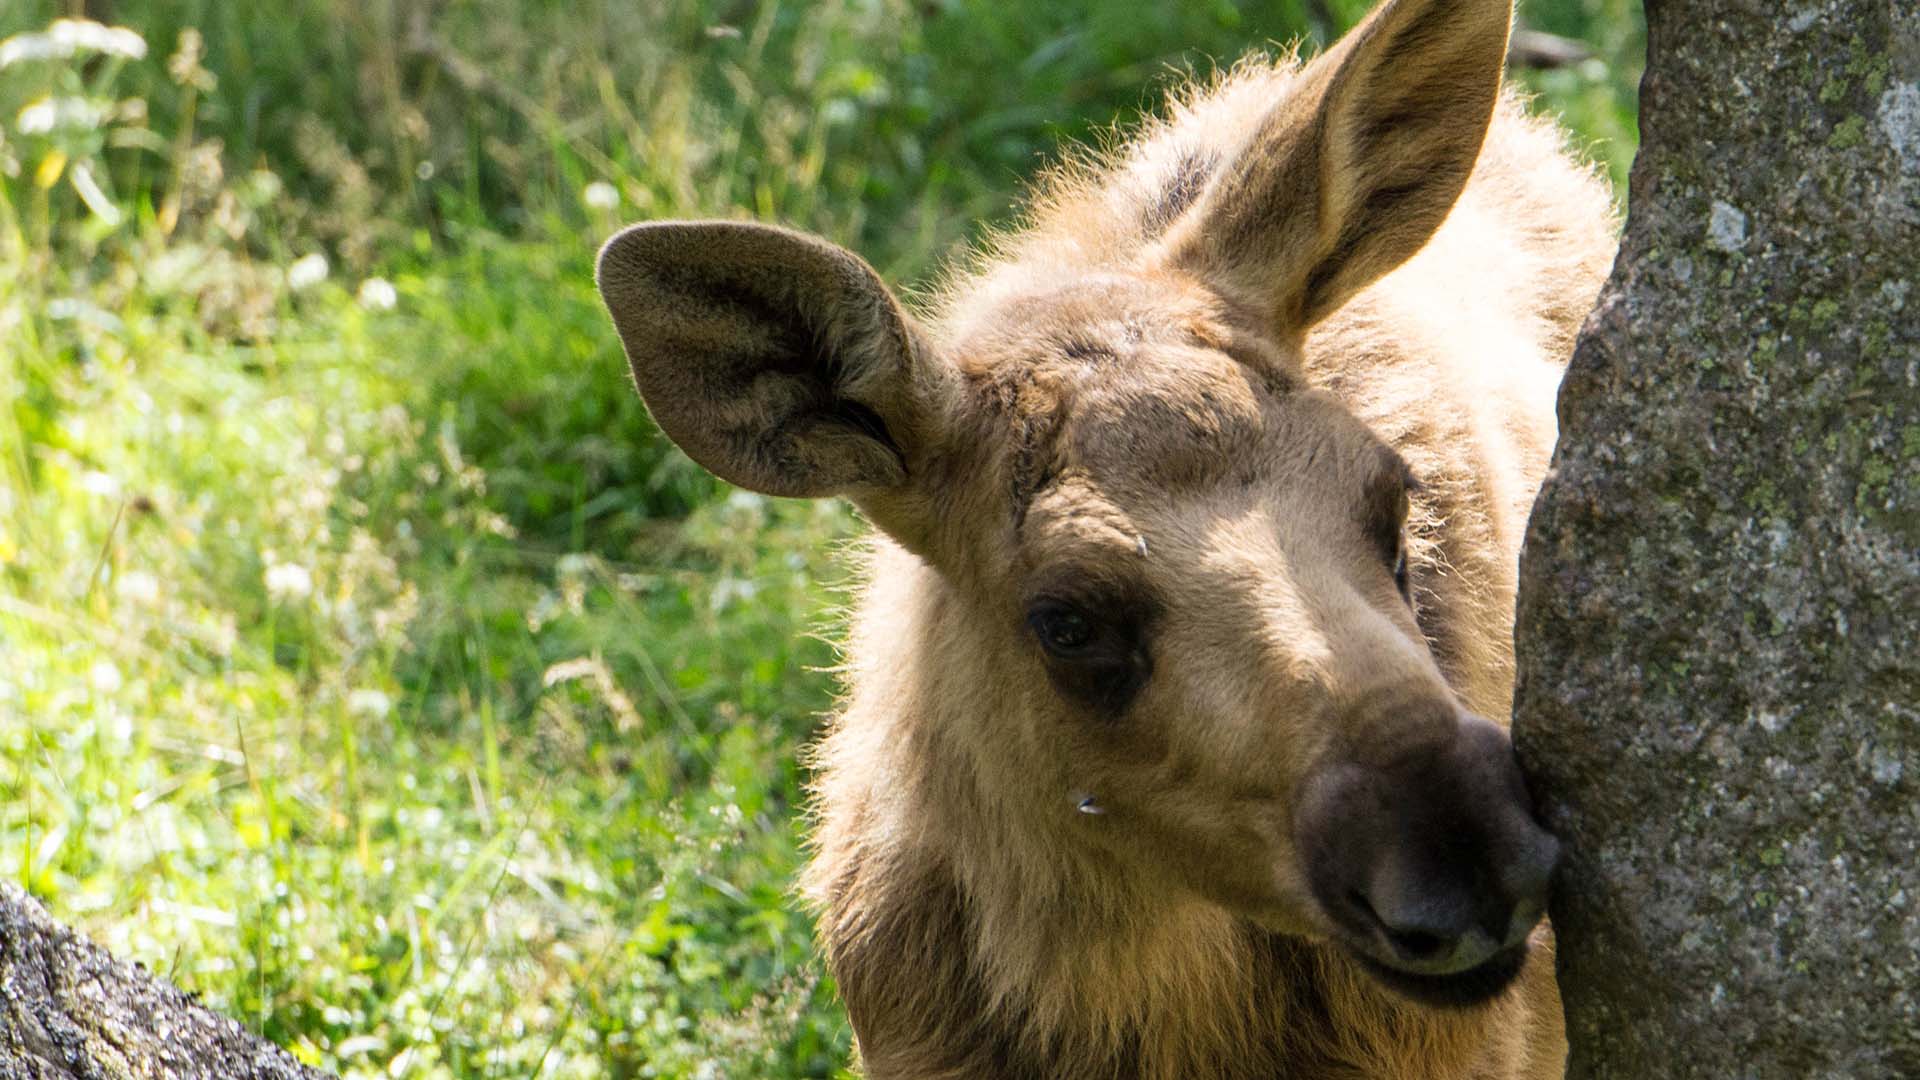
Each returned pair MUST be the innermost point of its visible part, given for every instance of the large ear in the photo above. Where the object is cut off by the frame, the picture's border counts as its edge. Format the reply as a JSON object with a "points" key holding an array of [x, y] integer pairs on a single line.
{"points": [[1353, 170], [777, 360]]}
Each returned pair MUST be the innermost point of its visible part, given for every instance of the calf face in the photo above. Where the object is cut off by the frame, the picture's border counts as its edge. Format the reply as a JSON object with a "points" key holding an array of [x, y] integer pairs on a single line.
{"points": [[1186, 568]]}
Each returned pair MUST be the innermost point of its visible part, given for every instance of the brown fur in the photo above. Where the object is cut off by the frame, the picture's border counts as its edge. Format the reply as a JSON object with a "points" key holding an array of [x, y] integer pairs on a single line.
{"points": [[1173, 391]]}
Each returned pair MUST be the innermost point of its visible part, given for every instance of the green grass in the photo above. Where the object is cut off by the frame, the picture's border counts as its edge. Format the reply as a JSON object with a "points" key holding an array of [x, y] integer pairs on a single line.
{"points": [[375, 669]]}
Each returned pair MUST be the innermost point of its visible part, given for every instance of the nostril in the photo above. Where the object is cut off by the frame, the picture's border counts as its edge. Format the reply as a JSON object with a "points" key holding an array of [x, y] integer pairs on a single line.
{"points": [[1358, 901], [1410, 941], [1416, 944]]}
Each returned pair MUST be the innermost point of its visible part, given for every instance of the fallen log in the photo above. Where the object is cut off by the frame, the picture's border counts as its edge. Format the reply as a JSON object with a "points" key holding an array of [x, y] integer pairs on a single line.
{"points": [[70, 1011]]}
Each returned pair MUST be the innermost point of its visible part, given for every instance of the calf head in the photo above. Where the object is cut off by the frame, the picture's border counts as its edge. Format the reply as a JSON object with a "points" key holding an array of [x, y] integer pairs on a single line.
{"points": [[1188, 567]]}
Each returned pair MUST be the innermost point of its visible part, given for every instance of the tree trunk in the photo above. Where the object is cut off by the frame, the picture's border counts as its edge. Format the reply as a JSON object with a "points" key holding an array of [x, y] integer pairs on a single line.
{"points": [[68, 1011], [1719, 627]]}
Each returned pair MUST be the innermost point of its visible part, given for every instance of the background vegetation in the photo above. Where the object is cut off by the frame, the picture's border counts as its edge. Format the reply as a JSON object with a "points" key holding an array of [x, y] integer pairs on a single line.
{"points": [[367, 663]]}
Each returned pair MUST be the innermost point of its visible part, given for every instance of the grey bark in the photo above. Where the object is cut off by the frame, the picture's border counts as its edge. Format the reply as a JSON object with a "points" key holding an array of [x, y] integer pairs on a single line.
{"points": [[1719, 628], [69, 1011]]}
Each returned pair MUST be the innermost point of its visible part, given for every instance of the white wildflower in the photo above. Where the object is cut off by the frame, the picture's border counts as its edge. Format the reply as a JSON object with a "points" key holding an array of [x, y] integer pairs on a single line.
{"points": [[104, 676], [729, 591], [51, 114], [307, 271], [600, 195], [139, 586], [74, 309], [95, 482], [65, 37], [109, 40], [262, 186], [377, 294], [746, 502], [289, 581], [373, 704], [23, 47]]}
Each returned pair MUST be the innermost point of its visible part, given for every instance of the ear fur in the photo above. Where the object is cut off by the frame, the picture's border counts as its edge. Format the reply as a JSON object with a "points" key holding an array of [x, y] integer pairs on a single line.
{"points": [[775, 359], [1353, 171]]}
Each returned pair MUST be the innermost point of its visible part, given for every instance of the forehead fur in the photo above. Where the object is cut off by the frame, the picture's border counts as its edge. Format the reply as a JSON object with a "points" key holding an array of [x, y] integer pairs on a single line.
{"points": [[1131, 382]]}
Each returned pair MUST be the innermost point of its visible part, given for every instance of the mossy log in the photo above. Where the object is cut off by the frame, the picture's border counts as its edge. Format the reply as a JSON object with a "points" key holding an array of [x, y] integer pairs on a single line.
{"points": [[69, 1011]]}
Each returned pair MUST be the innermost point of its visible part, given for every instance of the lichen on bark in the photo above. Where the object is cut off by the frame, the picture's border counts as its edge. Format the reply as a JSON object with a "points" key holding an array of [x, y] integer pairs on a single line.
{"points": [[1719, 699], [69, 1011]]}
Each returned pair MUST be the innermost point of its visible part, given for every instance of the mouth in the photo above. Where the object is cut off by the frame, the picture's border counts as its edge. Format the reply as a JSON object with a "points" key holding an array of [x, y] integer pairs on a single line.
{"points": [[1459, 990]]}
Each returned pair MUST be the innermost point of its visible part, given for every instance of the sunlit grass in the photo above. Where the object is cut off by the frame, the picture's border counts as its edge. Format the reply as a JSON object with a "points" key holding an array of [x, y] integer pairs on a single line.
{"points": [[316, 726], [368, 663]]}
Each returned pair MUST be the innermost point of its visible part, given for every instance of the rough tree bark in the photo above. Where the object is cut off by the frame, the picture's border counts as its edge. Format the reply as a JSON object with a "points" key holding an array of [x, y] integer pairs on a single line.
{"points": [[1720, 603], [68, 1011]]}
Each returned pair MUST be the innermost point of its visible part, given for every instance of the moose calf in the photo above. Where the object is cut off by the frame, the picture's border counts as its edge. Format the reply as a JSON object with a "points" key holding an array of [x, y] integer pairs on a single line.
{"points": [[1174, 737]]}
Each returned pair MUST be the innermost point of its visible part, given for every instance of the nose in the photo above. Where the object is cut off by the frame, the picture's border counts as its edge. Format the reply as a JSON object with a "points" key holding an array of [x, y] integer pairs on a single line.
{"points": [[1432, 863]]}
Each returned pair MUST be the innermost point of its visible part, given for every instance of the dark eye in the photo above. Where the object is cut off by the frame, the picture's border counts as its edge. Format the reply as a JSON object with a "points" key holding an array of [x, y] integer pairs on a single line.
{"points": [[1062, 630], [1400, 573], [1096, 647]]}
